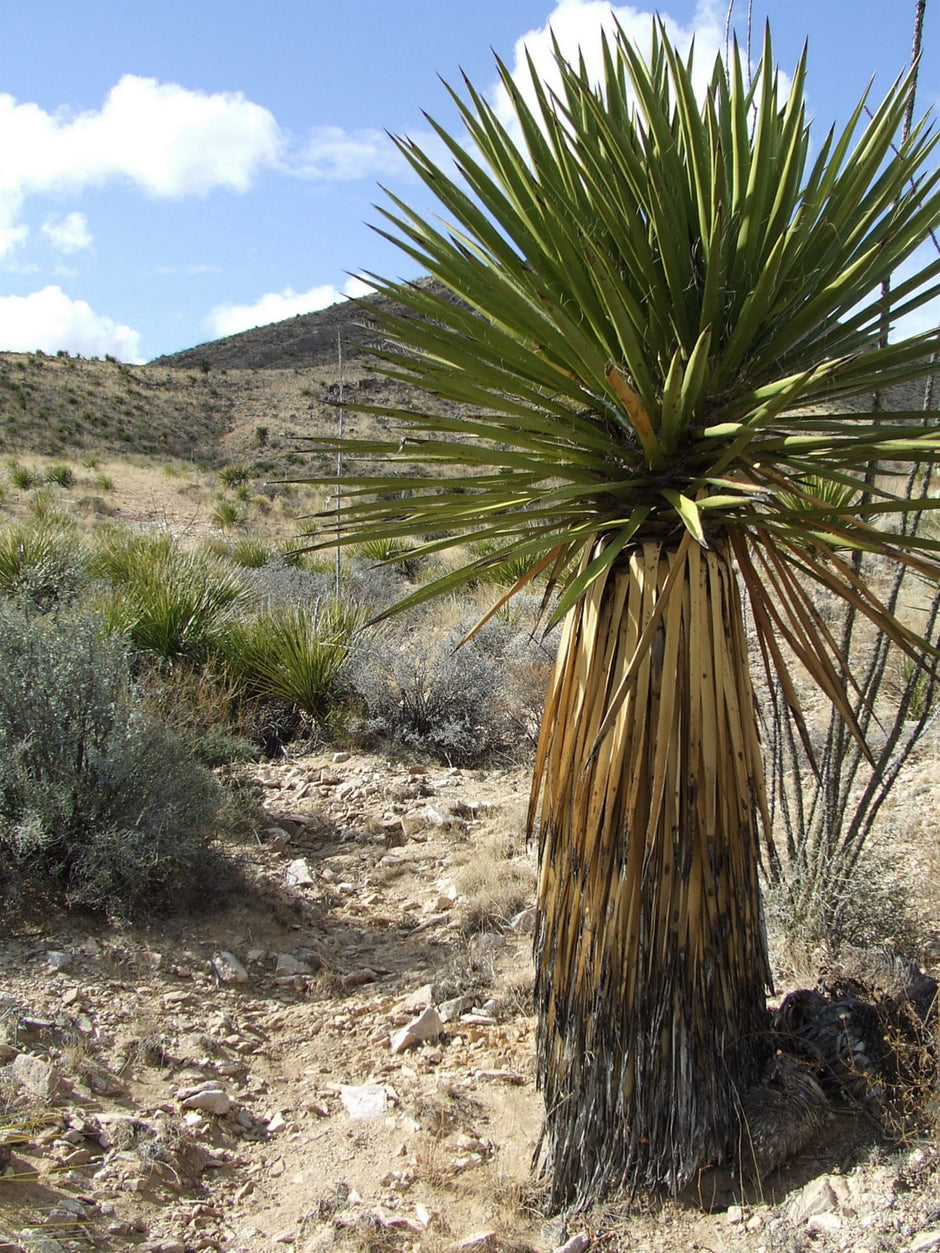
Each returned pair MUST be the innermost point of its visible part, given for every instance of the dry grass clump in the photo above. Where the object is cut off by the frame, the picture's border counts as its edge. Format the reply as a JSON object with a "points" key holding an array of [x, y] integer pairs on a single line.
{"points": [[495, 884]]}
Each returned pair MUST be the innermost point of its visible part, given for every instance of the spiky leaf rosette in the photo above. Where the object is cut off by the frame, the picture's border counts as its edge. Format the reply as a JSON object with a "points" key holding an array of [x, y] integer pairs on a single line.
{"points": [[649, 309]]}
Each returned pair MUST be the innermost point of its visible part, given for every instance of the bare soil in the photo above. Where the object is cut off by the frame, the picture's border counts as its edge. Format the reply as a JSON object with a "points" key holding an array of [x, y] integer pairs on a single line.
{"points": [[377, 889]]}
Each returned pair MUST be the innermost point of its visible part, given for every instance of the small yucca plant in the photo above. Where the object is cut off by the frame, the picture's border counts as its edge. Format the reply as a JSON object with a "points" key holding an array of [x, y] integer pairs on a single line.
{"points": [[650, 309], [172, 603], [292, 654], [44, 563]]}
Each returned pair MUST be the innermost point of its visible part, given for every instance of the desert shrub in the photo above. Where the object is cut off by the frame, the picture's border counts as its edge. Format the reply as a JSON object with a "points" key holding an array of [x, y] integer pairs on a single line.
{"points": [[429, 696], [389, 552], [61, 474], [862, 905], [227, 514], [24, 477], [235, 475], [201, 707], [248, 551], [280, 583], [170, 602], [42, 563], [293, 654], [296, 578], [504, 572], [462, 703], [526, 658], [220, 746], [43, 506], [495, 884], [100, 806]]}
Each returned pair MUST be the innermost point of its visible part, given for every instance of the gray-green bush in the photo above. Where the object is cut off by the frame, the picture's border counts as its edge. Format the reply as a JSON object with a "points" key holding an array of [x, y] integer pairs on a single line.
{"points": [[100, 806], [432, 697], [42, 563]]}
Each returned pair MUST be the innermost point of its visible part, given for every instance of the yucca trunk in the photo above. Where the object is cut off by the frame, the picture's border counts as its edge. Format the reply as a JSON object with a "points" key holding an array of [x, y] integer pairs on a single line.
{"points": [[651, 963]]}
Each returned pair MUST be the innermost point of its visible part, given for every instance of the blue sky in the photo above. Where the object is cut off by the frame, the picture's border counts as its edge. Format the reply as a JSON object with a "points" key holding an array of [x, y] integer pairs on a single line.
{"points": [[176, 170]]}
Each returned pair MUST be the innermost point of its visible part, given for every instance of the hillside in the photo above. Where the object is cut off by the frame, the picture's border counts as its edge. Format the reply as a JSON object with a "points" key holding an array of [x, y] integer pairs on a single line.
{"points": [[309, 339], [257, 395]]}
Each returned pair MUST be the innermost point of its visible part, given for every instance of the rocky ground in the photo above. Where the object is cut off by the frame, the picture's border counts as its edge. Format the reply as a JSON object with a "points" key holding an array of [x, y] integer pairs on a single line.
{"points": [[343, 1058]]}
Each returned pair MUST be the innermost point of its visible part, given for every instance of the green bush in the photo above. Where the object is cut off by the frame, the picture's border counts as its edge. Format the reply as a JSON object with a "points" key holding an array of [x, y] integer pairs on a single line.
{"points": [[227, 514], [42, 563], [293, 654], [62, 475], [247, 551], [389, 552], [100, 807], [171, 602], [235, 475], [24, 477]]}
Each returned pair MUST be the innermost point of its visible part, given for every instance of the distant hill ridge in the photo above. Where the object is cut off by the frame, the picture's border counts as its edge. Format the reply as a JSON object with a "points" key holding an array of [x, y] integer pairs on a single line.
{"points": [[308, 339], [311, 340]]}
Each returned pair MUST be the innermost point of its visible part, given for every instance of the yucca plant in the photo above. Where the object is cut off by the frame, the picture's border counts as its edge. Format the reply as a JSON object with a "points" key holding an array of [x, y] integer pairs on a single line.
{"points": [[171, 602], [648, 305], [292, 654], [43, 563]]}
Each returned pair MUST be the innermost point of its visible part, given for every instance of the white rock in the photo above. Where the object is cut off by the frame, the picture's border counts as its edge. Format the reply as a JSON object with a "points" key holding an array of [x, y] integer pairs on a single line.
{"points": [[365, 1101], [577, 1244], [210, 1101], [37, 1076], [39, 1242], [926, 1240], [395, 1222], [228, 968], [287, 964], [424, 1029], [818, 1197], [735, 1215], [524, 921], [449, 1010], [823, 1222], [415, 1001], [480, 1242], [298, 875], [58, 960]]}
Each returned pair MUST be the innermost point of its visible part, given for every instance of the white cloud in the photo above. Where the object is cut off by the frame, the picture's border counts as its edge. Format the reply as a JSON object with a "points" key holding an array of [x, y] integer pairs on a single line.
{"points": [[68, 234], [333, 153], [166, 140], [229, 319], [577, 26], [50, 320], [188, 271], [11, 235]]}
